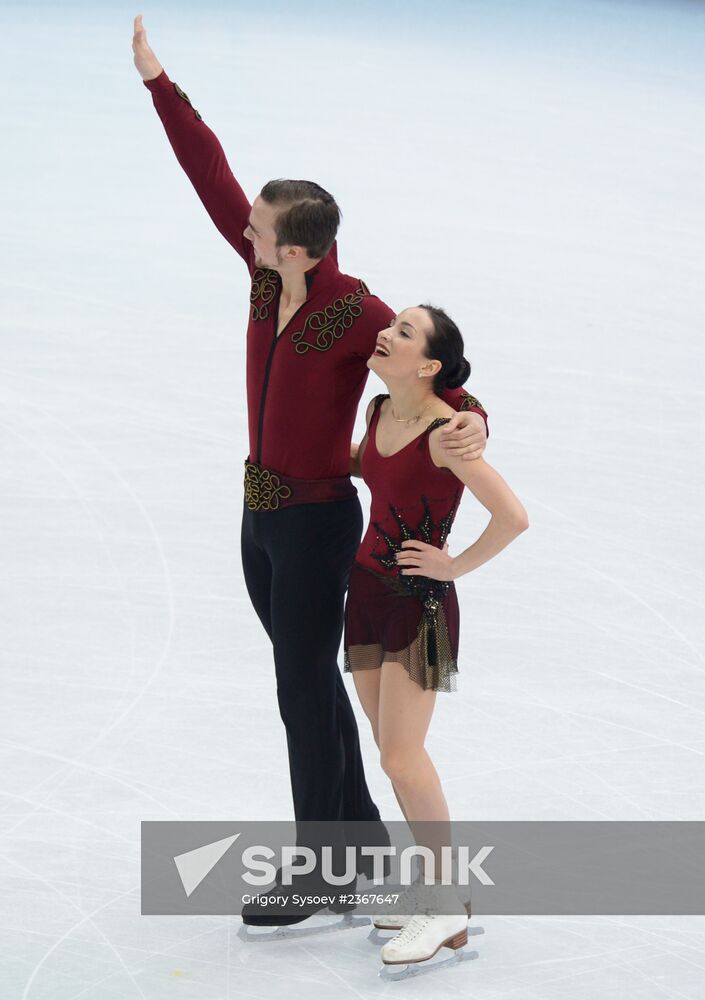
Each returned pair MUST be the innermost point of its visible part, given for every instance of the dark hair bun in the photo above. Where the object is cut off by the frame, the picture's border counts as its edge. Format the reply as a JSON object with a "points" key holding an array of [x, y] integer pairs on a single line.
{"points": [[445, 344], [459, 374]]}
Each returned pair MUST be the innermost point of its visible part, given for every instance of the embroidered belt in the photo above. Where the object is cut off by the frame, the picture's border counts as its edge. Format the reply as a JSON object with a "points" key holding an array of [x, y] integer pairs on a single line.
{"points": [[266, 489]]}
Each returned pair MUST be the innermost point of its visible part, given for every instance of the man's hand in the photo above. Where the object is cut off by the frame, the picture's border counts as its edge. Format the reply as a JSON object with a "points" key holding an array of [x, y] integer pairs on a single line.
{"points": [[146, 62], [465, 436]]}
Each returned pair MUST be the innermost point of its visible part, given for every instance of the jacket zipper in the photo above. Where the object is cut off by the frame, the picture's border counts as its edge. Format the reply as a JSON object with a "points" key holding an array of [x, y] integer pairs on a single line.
{"points": [[265, 383]]}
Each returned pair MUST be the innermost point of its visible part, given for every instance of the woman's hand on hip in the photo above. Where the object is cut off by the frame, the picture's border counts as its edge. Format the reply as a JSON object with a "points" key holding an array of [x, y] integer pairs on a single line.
{"points": [[420, 559]]}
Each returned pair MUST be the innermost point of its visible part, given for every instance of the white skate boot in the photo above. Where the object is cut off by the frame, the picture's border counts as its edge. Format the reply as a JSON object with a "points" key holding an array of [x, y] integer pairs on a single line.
{"points": [[425, 934]]}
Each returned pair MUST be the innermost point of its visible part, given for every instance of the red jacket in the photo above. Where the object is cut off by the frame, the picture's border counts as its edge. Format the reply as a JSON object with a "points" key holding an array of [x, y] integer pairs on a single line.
{"points": [[304, 386]]}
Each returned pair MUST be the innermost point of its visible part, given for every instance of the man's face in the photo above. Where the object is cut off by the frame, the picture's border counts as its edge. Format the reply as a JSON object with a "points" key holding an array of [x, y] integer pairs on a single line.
{"points": [[260, 232]]}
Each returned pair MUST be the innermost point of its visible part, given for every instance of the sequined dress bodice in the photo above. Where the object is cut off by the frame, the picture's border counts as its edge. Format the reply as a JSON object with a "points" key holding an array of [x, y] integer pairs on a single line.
{"points": [[410, 498]]}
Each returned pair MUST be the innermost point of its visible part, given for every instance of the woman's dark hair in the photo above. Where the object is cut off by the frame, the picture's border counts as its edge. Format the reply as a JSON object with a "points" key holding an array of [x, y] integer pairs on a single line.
{"points": [[309, 216], [445, 344]]}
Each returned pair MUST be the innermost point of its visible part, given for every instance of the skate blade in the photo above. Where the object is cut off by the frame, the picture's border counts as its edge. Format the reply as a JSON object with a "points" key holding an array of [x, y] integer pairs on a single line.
{"points": [[254, 934], [395, 973]]}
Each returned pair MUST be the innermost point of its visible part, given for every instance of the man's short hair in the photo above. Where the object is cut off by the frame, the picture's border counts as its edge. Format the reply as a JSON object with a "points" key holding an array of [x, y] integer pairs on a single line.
{"points": [[308, 215]]}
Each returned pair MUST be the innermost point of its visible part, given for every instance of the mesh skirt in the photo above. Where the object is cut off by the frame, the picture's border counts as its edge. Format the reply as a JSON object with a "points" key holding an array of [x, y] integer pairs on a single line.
{"points": [[386, 621]]}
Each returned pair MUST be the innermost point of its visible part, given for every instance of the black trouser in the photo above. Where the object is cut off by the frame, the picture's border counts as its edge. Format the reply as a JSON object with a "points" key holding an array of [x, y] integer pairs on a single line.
{"points": [[297, 563]]}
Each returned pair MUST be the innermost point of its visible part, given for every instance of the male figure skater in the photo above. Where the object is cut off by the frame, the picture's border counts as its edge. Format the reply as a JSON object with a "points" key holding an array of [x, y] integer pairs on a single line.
{"points": [[311, 330]]}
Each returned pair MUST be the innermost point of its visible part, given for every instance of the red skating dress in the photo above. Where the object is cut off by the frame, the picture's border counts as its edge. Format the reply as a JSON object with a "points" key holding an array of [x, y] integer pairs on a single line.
{"points": [[410, 619]]}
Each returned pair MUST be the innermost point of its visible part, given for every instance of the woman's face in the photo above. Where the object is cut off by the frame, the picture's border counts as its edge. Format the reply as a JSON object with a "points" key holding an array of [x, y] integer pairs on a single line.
{"points": [[401, 345]]}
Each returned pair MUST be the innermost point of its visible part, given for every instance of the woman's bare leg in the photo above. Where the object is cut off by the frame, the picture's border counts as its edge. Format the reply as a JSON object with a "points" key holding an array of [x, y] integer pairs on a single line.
{"points": [[404, 715], [367, 684]]}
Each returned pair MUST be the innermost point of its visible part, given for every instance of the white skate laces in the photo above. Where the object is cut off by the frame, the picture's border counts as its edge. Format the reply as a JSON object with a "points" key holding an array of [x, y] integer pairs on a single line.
{"points": [[423, 936], [411, 930]]}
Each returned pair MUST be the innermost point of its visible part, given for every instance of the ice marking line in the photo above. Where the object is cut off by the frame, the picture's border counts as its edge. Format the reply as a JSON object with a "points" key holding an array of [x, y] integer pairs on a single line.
{"points": [[86, 918], [333, 972], [645, 604], [654, 694], [77, 764], [589, 718], [660, 935], [160, 550], [667, 992], [165, 567], [68, 815], [85, 502]]}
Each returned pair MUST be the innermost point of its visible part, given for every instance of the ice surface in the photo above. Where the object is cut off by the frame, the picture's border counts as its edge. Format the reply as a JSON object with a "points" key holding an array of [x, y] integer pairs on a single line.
{"points": [[537, 169]]}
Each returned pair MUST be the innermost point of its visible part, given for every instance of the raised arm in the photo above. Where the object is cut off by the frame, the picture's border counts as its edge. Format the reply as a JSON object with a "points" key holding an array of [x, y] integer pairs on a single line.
{"points": [[196, 147]]}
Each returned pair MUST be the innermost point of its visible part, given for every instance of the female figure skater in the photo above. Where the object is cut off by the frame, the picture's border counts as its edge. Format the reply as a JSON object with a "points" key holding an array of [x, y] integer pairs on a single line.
{"points": [[401, 614]]}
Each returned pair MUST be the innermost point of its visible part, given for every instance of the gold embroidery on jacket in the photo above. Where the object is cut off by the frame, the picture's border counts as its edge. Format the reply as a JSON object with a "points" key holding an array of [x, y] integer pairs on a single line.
{"points": [[184, 97], [263, 489], [264, 288], [468, 401], [329, 324]]}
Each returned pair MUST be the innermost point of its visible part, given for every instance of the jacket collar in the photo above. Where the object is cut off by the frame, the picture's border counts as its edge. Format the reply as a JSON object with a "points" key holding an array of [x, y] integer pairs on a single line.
{"points": [[322, 273]]}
